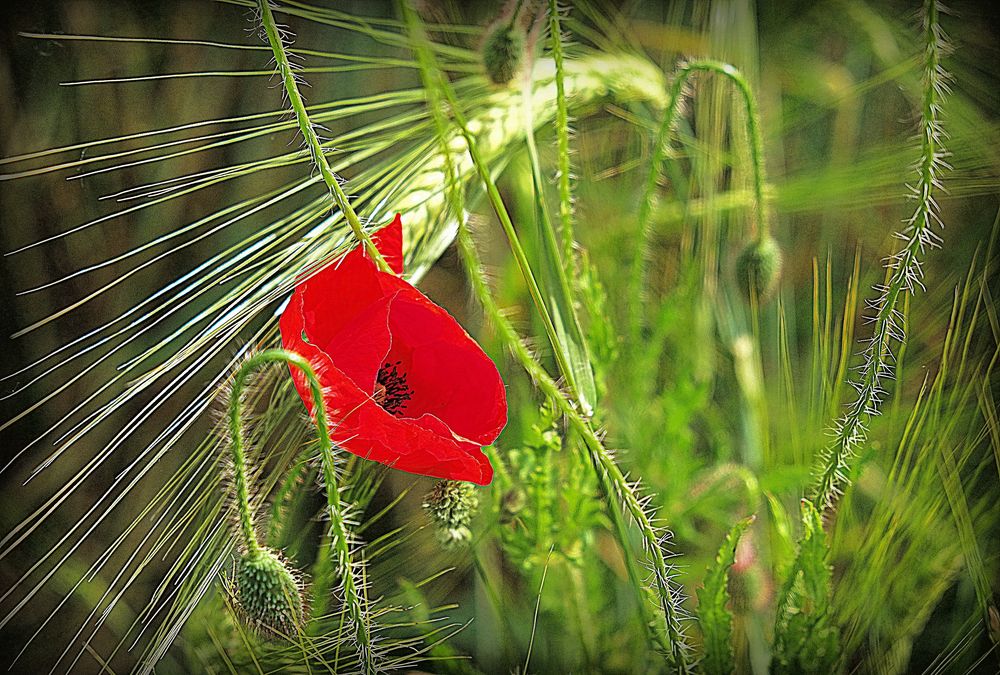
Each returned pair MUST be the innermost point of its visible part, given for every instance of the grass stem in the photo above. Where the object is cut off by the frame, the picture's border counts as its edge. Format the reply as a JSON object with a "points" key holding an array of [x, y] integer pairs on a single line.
{"points": [[312, 141], [905, 275], [562, 141]]}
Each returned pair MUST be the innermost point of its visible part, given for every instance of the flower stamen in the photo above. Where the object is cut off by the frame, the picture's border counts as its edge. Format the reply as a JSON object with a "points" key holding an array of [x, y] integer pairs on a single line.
{"points": [[391, 392]]}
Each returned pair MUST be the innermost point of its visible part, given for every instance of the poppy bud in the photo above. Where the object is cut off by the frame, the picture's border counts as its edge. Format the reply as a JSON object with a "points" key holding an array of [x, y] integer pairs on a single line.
{"points": [[268, 594], [503, 51], [759, 266], [451, 505]]}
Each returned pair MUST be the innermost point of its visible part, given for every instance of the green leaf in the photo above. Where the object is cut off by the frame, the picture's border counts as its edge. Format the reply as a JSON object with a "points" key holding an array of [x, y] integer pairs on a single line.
{"points": [[804, 640], [715, 618]]}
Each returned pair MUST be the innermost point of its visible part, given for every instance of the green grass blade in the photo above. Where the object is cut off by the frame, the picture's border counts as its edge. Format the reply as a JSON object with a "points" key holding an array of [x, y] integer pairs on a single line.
{"points": [[713, 614]]}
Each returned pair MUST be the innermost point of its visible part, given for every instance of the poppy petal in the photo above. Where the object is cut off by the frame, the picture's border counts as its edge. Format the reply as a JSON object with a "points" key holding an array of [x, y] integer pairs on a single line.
{"points": [[450, 375], [389, 242], [293, 329], [362, 427], [351, 319], [422, 449], [360, 348], [336, 295]]}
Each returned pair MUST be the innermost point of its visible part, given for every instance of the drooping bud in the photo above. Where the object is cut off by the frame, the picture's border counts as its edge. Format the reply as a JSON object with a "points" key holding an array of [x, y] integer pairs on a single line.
{"points": [[451, 505], [503, 52], [267, 594], [758, 267]]}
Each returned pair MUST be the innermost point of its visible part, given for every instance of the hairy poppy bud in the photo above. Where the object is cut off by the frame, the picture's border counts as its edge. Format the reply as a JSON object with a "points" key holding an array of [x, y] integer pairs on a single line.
{"points": [[503, 51], [451, 505], [759, 266], [268, 594]]}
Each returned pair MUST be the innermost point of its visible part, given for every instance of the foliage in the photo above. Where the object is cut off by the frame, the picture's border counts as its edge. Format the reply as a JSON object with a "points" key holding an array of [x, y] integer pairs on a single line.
{"points": [[714, 616], [804, 640], [592, 212]]}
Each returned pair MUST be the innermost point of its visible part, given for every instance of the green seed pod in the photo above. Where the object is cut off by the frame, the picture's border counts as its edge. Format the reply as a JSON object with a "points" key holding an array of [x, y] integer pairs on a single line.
{"points": [[268, 595], [758, 267], [503, 51], [451, 505]]}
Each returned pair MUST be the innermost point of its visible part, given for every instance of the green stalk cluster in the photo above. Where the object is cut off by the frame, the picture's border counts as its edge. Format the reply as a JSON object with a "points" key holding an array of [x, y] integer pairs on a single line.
{"points": [[622, 493], [761, 259]]}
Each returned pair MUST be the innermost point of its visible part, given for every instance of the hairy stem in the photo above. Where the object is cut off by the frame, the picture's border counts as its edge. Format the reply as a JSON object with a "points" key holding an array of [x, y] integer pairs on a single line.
{"points": [[339, 534], [309, 134], [237, 448], [851, 430], [555, 270], [562, 141]]}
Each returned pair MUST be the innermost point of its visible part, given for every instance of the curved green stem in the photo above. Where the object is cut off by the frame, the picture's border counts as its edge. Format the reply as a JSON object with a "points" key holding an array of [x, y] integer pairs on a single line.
{"points": [[340, 537], [238, 451], [309, 134], [761, 227]]}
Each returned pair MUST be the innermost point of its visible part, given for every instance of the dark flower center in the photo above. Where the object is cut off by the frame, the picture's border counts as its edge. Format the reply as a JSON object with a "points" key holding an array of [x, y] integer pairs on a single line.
{"points": [[391, 391]]}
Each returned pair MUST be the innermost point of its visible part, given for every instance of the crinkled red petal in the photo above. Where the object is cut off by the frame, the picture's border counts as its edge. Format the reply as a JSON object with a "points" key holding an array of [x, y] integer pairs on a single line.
{"points": [[450, 375], [360, 426], [348, 320]]}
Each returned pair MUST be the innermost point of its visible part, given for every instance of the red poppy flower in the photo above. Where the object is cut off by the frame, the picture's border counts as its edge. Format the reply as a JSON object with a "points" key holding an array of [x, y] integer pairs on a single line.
{"points": [[403, 383]]}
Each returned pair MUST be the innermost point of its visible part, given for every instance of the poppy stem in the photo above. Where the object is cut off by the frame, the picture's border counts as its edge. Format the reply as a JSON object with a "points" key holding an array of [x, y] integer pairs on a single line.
{"points": [[290, 83], [340, 536], [760, 226], [238, 452]]}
